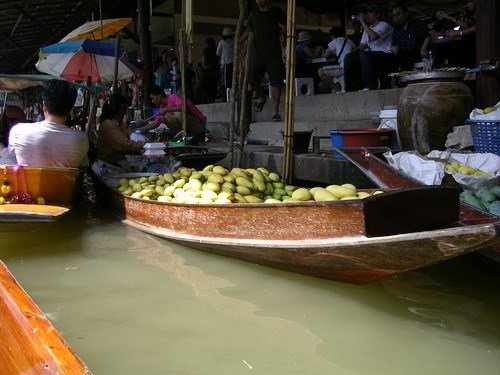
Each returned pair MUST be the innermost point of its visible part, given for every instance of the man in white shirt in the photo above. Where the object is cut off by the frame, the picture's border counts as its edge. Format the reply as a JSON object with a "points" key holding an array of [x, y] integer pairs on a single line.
{"points": [[339, 47], [375, 52], [50, 143]]}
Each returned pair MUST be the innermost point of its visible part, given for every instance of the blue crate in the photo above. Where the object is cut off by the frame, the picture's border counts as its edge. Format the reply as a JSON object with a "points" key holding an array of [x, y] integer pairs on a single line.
{"points": [[485, 135], [337, 141]]}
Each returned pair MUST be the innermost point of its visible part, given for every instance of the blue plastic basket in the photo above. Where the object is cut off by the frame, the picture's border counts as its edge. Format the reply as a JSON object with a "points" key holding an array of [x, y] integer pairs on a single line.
{"points": [[485, 135]]}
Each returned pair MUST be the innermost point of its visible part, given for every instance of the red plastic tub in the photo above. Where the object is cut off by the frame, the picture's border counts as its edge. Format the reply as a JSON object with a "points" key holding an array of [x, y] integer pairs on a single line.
{"points": [[361, 137]]}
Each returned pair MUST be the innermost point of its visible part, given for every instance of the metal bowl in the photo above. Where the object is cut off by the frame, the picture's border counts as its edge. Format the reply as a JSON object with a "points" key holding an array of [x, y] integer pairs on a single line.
{"points": [[433, 76]]}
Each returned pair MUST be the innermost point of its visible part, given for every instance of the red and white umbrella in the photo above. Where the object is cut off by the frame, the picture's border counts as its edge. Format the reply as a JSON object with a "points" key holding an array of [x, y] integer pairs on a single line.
{"points": [[77, 60]]}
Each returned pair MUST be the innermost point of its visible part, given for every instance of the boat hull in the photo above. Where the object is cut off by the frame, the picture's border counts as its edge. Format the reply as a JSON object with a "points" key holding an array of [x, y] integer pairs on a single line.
{"points": [[30, 343], [57, 186], [323, 239]]}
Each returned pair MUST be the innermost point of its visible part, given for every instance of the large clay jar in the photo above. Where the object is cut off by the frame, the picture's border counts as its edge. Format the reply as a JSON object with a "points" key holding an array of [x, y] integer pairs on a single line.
{"points": [[428, 111]]}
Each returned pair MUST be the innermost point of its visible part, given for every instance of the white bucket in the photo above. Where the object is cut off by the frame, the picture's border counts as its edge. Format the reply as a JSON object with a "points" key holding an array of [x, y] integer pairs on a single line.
{"points": [[389, 120]]}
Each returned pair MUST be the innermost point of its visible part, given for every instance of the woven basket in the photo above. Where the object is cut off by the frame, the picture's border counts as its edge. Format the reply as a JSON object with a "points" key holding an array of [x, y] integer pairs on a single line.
{"points": [[485, 135]]}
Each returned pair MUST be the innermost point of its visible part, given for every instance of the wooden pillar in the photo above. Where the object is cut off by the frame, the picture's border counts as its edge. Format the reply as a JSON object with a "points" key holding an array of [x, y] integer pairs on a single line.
{"points": [[487, 48], [147, 58]]}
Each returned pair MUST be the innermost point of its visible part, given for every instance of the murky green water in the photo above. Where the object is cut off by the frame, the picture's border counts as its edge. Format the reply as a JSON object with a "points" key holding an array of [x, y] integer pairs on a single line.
{"points": [[130, 303]]}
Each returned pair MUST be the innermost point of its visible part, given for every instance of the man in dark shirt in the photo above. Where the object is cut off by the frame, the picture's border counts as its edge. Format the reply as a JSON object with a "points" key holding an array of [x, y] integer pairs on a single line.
{"points": [[264, 22], [410, 39]]}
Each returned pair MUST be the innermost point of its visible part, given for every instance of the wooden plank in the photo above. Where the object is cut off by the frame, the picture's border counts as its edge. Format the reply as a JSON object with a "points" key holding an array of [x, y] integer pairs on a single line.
{"points": [[416, 210], [30, 343], [31, 213]]}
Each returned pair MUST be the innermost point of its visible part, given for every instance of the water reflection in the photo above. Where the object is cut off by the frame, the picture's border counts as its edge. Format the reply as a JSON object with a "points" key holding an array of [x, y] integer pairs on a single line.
{"points": [[155, 307], [435, 304], [286, 335]]}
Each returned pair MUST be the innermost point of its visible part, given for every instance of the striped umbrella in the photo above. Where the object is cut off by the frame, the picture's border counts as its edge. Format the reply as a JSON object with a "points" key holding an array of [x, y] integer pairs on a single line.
{"points": [[77, 60]]}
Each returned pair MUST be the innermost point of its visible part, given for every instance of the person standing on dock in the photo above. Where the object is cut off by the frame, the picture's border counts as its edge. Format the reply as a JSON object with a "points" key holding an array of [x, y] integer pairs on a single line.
{"points": [[265, 23]]}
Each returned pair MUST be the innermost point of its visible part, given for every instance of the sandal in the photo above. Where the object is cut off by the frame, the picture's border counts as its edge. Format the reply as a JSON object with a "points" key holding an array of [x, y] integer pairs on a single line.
{"points": [[259, 104], [277, 118]]}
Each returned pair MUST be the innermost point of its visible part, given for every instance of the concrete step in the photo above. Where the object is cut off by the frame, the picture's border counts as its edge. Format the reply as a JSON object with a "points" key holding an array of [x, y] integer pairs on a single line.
{"points": [[327, 107], [270, 133]]}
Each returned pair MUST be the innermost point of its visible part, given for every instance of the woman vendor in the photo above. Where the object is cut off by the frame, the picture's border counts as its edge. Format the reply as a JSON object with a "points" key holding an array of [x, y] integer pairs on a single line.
{"points": [[113, 142], [169, 115]]}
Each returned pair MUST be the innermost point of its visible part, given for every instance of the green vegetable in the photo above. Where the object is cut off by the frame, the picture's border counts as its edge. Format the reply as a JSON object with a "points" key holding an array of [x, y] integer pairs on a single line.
{"points": [[485, 195], [494, 208], [495, 191], [471, 200]]}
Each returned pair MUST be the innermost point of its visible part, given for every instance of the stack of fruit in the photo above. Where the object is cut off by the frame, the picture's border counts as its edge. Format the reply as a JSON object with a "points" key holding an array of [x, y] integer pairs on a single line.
{"points": [[456, 167], [216, 184], [485, 199]]}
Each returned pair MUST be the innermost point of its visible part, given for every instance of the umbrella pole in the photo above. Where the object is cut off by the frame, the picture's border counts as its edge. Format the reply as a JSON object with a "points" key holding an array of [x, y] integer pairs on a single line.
{"points": [[86, 107], [117, 59], [289, 94]]}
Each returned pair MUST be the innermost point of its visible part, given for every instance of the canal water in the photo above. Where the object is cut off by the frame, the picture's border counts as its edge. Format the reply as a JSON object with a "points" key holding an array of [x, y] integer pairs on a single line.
{"points": [[131, 303]]}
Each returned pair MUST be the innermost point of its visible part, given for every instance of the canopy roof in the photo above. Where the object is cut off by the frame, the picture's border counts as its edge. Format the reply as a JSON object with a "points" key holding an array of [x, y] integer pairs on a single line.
{"points": [[28, 25], [14, 82]]}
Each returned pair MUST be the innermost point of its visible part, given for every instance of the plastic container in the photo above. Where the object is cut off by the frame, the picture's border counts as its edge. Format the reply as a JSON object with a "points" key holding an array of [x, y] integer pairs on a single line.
{"points": [[361, 138], [301, 140], [485, 135]]}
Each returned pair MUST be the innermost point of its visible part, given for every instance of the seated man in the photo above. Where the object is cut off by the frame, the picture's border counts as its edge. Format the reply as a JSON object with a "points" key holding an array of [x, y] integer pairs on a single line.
{"points": [[50, 143], [170, 115], [305, 54], [339, 47], [375, 53], [410, 39]]}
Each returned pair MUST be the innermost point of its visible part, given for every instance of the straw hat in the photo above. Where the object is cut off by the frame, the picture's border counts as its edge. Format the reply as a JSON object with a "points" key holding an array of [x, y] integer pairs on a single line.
{"points": [[303, 36], [227, 32]]}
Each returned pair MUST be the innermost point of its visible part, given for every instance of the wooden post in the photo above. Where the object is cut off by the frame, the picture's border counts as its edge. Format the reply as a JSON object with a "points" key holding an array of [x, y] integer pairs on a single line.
{"points": [[243, 100], [289, 94], [182, 67], [147, 58], [242, 4], [487, 48]]}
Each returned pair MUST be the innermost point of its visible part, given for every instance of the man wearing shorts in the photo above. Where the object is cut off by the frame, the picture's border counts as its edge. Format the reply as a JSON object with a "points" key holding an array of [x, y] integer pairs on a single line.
{"points": [[264, 22]]}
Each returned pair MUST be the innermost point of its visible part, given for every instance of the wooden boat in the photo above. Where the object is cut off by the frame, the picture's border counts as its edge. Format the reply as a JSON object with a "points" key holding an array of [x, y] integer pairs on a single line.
{"points": [[57, 186], [30, 343], [385, 176], [357, 241]]}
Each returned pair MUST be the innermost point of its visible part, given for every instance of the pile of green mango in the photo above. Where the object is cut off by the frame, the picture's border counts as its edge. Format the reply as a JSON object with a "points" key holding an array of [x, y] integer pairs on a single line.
{"points": [[218, 185], [485, 199]]}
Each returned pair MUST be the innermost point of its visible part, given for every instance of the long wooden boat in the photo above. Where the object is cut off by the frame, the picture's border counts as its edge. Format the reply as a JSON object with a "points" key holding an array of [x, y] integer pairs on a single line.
{"points": [[29, 342], [385, 176], [356, 241], [57, 187]]}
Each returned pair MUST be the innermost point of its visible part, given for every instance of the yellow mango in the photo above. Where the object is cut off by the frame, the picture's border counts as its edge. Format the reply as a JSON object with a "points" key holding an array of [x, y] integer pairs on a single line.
{"points": [[244, 182], [216, 178], [209, 167], [169, 178], [363, 194], [274, 177], [243, 190], [252, 199], [324, 195], [341, 191], [220, 170], [301, 194]]}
